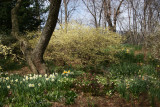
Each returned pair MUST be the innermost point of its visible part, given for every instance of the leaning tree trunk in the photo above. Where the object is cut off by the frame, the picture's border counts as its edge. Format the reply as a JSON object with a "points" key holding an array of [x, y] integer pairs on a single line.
{"points": [[34, 57], [38, 52]]}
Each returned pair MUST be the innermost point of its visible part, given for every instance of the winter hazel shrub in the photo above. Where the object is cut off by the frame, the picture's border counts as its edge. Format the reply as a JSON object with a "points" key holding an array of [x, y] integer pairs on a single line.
{"points": [[82, 46], [153, 44]]}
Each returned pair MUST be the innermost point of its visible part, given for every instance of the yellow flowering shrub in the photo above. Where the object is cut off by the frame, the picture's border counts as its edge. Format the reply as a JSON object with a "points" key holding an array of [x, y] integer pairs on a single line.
{"points": [[153, 44], [82, 45], [4, 50]]}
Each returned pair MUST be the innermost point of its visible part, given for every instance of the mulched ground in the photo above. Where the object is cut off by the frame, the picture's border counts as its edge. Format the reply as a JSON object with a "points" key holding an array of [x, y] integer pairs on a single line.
{"points": [[86, 100]]}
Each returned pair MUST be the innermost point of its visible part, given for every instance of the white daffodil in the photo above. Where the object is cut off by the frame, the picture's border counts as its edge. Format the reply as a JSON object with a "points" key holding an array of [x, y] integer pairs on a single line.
{"points": [[56, 74], [16, 80], [39, 84], [26, 77], [8, 87], [31, 85], [11, 81], [52, 80], [31, 78], [45, 75], [7, 78], [47, 79]]}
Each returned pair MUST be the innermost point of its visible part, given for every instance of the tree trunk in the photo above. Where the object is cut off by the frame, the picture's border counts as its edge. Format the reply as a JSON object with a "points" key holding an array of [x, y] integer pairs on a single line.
{"points": [[66, 15], [38, 52], [107, 11], [38, 13], [34, 57]]}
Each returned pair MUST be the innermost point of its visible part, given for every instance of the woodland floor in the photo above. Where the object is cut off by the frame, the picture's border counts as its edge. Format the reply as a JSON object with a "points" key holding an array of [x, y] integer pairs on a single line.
{"points": [[87, 100]]}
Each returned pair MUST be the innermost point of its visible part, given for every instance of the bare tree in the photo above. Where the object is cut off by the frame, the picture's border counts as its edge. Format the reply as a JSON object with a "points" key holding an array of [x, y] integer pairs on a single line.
{"points": [[67, 9], [95, 8], [109, 14]]}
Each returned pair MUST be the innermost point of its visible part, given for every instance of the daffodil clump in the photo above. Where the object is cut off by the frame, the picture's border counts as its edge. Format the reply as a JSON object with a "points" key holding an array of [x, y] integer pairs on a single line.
{"points": [[15, 87], [30, 80]]}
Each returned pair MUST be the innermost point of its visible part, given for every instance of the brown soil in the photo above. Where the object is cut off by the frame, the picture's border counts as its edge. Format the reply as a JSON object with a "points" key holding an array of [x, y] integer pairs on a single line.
{"points": [[86, 100], [22, 71]]}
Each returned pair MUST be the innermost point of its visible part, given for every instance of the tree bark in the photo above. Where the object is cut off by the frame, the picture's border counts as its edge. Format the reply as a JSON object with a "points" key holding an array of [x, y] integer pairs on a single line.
{"points": [[66, 14], [108, 14], [38, 13], [34, 57], [38, 52]]}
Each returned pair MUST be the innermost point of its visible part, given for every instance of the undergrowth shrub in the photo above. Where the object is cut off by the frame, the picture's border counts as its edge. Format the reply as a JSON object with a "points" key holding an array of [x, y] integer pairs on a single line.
{"points": [[153, 44], [82, 46], [125, 69], [6, 56]]}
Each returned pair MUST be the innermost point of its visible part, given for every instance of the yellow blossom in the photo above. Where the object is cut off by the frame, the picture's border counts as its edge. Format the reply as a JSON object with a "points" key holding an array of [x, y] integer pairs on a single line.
{"points": [[127, 51], [65, 72], [143, 78]]}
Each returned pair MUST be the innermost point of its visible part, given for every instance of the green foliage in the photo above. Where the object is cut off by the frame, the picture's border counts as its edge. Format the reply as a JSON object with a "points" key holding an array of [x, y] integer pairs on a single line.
{"points": [[82, 46], [124, 69], [70, 97], [90, 83], [128, 55], [138, 86], [27, 16]]}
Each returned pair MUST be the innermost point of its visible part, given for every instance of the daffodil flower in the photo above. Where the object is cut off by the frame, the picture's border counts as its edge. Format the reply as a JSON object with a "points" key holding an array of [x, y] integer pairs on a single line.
{"points": [[8, 87], [39, 84], [31, 85], [7, 78], [16, 80]]}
